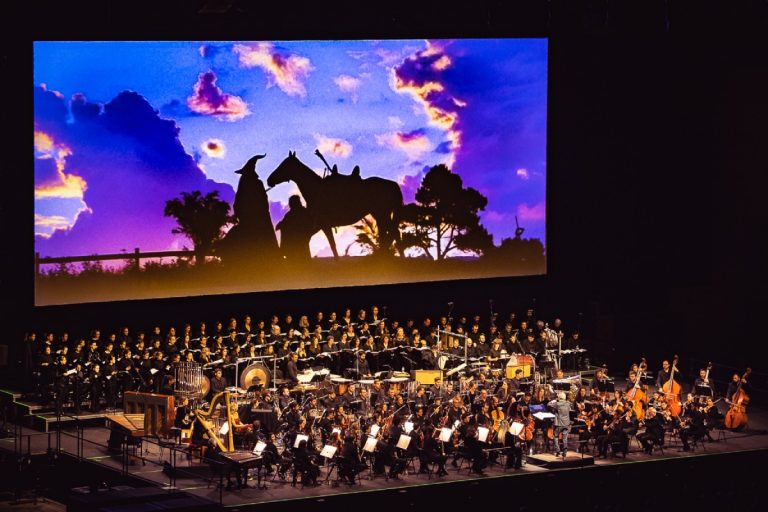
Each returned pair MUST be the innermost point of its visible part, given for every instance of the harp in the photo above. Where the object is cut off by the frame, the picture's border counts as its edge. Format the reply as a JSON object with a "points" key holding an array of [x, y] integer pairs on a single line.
{"points": [[223, 440]]}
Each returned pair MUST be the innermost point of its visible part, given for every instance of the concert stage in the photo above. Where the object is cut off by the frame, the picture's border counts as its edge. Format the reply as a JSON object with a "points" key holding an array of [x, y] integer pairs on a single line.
{"points": [[571, 460], [734, 451]]}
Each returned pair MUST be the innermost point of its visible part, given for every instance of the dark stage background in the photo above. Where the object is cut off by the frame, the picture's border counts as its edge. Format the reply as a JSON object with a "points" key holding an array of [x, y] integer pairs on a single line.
{"points": [[657, 153]]}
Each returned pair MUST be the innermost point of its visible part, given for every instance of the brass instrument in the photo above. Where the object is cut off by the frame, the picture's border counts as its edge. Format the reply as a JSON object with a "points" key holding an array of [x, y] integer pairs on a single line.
{"points": [[205, 418]]}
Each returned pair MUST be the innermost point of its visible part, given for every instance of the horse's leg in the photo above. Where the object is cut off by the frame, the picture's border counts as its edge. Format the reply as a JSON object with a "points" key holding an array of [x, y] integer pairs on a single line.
{"points": [[328, 230]]}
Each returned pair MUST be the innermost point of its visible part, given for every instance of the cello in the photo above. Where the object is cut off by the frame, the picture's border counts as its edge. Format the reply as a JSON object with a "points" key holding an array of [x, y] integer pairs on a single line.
{"points": [[671, 390], [637, 395], [736, 417]]}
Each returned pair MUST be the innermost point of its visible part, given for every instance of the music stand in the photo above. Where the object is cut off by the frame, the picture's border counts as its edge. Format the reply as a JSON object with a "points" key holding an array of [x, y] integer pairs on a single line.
{"points": [[703, 390]]}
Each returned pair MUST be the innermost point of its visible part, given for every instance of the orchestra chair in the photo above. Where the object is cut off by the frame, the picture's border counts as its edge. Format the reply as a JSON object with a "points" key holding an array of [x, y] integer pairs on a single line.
{"points": [[430, 466], [721, 436]]}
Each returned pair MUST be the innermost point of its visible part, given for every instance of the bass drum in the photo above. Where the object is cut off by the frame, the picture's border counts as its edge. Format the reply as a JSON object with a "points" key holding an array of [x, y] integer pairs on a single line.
{"points": [[255, 374]]}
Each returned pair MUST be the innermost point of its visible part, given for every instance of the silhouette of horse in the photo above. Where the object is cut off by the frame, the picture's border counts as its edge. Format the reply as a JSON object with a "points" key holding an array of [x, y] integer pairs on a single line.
{"points": [[344, 200]]}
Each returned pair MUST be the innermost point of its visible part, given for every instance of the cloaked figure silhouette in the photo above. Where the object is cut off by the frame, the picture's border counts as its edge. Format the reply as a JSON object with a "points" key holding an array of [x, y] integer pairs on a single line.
{"points": [[253, 236], [296, 229], [343, 200]]}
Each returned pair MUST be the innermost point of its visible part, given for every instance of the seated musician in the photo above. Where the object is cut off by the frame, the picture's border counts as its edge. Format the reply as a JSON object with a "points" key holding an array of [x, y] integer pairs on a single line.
{"points": [[303, 463], [691, 427], [363, 367], [292, 369], [184, 417], [349, 462], [654, 431], [474, 449]]}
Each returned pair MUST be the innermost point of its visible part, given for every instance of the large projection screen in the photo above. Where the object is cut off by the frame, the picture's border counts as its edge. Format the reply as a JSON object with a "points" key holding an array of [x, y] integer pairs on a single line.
{"points": [[169, 169]]}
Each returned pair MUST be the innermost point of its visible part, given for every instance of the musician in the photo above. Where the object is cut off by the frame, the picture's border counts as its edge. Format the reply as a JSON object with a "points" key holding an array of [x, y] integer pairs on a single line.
{"points": [[494, 354], [475, 451], [691, 426], [421, 399], [456, 410], [304, 464], [331, 401], [713, 418], [654, 431], [218, 383], [349, 462], [364, 370], [664, 374], [429, 358], [365, 409], [437, 390], [292, 369], [431, 452], [562, 410], [704, 381], [293, 416], [184, 416], [348, 396], [734, 385]]}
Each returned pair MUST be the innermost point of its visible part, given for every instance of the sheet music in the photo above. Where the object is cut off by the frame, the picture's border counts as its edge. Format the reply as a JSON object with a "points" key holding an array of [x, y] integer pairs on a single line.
{"points": [[543, 415], [516, 428], [259, 447], [370, 445], [445, 435], [482, 434], [375, 429], [328, 451], [299, 439], [153, 371], [224, 429], [408, 426], [403, 442]]}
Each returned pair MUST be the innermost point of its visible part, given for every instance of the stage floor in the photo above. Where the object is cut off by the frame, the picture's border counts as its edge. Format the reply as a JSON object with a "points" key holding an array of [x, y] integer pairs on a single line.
{"points": [[95, 439]]}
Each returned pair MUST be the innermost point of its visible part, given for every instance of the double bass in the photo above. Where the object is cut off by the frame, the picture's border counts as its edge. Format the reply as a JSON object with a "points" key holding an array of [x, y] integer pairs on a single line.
{"points": [[671, 390], [637, 394], [736, 417]]}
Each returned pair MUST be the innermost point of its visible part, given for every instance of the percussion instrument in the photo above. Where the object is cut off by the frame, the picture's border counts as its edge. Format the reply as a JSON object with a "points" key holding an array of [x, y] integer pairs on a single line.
{"points": [[341, 384], [255, 373], [523, 362], [189, 380]]}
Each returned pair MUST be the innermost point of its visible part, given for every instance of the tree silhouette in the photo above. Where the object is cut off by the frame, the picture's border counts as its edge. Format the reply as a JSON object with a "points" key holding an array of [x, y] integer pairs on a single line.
{"points": [[201, 218], [445, 216]]}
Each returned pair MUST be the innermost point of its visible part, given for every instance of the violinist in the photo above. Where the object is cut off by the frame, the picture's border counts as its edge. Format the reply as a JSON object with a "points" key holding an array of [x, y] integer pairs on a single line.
{"points": [[431, 452], [691, 427], [654, 431], [349, 463], [475, 451], [712, 417], [365, 409]]}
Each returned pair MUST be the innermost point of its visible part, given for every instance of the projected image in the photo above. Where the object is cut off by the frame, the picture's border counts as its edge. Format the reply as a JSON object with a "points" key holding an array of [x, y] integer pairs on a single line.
{"points": [[185, 168]]}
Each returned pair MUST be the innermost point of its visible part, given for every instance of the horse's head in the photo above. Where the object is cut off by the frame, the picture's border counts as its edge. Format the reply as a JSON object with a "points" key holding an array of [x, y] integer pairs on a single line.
{"points": [[283, 171]]}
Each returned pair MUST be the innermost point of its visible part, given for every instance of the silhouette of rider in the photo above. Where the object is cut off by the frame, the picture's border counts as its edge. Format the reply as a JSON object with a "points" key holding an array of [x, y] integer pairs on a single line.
{"points": [[296, 229]]}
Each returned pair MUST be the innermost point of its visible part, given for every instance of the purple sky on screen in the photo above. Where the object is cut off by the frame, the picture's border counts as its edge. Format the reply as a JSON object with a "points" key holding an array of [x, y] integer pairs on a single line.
{"points": [[120, 128]]}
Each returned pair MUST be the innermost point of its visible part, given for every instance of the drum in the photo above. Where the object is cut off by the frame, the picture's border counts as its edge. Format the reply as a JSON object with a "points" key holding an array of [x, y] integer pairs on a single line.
{"points": [[442, 361], [341, 385], [254, 374]]}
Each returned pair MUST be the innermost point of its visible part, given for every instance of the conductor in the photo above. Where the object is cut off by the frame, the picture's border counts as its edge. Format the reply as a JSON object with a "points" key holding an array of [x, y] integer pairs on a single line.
{"points": [[562, 409]]}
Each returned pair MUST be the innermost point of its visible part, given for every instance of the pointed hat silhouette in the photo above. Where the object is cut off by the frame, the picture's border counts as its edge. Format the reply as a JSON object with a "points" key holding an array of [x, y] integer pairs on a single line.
{"points": [[250, 165]]}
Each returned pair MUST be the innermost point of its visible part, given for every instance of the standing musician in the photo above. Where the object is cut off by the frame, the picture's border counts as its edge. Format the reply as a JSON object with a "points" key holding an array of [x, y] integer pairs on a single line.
{"points": [[218, 383]]}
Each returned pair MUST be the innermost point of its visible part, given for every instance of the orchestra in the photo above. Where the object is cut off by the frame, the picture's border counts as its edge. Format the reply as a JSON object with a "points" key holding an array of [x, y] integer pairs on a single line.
{"points": [[343, 383]]}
